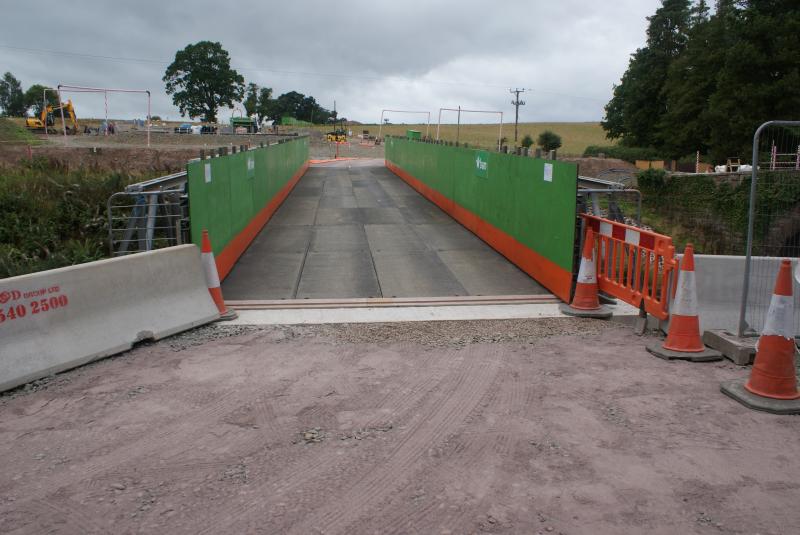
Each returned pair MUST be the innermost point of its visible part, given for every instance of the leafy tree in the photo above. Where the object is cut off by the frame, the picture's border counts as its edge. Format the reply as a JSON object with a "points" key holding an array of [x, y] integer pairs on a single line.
{"points": [[258, 101], [12, 99], [527, 141], [760, 74], [549, 140], [685, 126], [637, 103], [201, 80], [34, 98], [286, 105]]}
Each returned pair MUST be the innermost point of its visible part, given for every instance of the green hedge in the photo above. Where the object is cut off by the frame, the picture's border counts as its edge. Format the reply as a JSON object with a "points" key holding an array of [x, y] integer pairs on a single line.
{"points": [[712, 212], [629, 154]]}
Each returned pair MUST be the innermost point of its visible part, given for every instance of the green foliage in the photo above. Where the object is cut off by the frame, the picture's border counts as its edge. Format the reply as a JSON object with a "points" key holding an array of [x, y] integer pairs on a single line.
{"points": [[707, 81], [201, 80], [53, 218], [258, 101], [12, 133], [712, 213], [638, 102], [299, 106], [629, 154], [527, 141], [549, 140], [12, 99], [34, 98]]}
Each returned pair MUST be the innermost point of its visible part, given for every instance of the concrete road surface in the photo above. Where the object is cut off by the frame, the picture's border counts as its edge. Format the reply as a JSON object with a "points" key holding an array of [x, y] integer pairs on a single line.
{"points": [[355, 229]]}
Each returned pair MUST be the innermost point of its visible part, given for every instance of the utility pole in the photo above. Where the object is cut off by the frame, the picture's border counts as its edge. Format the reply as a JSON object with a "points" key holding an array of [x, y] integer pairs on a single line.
{"points": [[517, 103]]}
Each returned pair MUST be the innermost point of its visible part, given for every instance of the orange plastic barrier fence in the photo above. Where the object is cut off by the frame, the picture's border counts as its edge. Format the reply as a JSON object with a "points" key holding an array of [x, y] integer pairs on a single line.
{"points": [[633, 265]]}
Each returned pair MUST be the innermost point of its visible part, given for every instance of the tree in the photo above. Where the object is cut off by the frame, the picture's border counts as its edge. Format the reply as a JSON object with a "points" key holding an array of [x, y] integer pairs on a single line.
{"points": [[637, 104], [258, 101], [759, 76], [12, 99], [34, 98], [549, 140], [201, 80], [527, 141]]}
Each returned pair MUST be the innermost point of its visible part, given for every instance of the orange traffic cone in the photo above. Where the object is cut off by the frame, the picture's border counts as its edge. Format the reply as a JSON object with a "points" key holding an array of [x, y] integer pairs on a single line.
{"points": [[683, 339], [772, 386], [212, 279], [773, 374], [585, 302]]}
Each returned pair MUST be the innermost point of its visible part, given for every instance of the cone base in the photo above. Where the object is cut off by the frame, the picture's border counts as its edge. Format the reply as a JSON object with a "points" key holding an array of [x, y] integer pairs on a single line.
{"points": [[706, 355], [606, 299], [735, 389], [599, 313]]}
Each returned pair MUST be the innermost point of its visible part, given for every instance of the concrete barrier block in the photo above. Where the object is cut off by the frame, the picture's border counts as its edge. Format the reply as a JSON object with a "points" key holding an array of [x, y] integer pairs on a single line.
{"points": [[719, 281], [741, 351], [58, 319]]}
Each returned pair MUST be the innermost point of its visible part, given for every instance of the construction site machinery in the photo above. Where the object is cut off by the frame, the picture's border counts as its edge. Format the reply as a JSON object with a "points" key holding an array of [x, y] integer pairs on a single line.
{"points": [[337, 136], [46, 121], [249, 125]]}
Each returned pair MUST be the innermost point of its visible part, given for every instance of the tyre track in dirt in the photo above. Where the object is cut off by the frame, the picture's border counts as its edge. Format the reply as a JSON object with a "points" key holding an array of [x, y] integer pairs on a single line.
{"points": [[305, 475], [464, 391], [123, 456], [466, 449]]}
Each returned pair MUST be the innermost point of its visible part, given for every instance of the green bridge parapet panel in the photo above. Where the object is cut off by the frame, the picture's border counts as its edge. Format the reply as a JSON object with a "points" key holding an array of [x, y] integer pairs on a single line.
{"points": [[233, 196], [523, 207]]}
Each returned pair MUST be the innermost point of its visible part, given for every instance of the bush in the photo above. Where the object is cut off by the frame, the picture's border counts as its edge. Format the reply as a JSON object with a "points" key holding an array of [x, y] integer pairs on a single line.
{"points": [[527, 141], [52, 218], [549, 140], [652, 181], [629, 154]]}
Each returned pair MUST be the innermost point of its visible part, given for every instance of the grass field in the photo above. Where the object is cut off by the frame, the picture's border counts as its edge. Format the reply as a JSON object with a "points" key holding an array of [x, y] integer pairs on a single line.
{"points": [[12, 133], [575, 136]]}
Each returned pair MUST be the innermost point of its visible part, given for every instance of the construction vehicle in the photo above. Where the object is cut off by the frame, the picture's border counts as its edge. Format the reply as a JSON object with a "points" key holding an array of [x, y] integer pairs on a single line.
{"points": [[45, 123], [249, 125], [338, 136]]}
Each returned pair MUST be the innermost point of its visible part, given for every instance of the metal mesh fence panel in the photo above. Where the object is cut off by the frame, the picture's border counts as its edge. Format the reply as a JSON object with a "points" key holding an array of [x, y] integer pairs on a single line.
{"points": [[712, 211], [775, 220]]}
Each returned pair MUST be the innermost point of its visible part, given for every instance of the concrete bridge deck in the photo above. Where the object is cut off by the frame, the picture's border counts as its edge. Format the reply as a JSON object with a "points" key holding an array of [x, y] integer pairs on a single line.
{"points": [[354, 229]]}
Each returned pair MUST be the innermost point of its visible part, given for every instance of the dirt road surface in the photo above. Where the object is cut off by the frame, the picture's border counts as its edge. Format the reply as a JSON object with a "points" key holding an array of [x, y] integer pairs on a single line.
{"points": [[548, 426]]}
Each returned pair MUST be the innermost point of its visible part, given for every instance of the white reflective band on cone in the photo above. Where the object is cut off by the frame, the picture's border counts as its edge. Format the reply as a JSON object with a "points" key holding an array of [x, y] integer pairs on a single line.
{"points": [[587, 274], [797, 272], [780, 317], [685, 303], [210, 268]]}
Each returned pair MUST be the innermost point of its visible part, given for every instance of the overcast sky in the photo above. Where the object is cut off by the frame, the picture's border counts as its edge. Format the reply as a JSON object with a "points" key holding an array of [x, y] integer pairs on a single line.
{"points": [[367, 55]]}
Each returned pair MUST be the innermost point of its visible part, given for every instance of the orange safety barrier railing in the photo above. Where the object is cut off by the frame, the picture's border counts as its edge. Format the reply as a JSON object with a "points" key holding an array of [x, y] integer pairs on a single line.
{"points": [[633, 265]]}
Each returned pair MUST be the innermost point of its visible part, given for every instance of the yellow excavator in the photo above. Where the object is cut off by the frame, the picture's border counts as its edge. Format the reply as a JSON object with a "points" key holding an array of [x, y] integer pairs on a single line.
{"points": [[47, 120]]}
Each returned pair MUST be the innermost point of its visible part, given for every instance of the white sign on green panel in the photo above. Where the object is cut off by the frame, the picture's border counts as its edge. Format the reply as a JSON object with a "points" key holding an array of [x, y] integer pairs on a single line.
{"points": [[482, 163], [548, 172]]}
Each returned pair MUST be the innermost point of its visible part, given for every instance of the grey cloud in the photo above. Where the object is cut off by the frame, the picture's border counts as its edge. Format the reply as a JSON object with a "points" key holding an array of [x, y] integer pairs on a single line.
{"points": [[413, 54]]}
